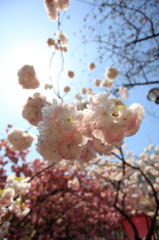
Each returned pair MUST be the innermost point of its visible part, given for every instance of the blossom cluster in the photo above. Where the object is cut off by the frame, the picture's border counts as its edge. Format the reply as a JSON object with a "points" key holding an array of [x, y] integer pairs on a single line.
{"points": [[53, 6], [27, 77], [32, 109], [68, 133], [11, 201], [110, 74], [20, 140], [123, 92], [60, 43]]}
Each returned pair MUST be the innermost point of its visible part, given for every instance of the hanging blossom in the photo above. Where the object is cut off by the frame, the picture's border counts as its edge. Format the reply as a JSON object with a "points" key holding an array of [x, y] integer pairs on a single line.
{"points": [[27, 77], [48, 86], [68, 133], [107, 83], [71, 74], [32, 109], [92, 66], [111, 73], [123, 91], [62, 38], [20, 140], [53, 6], [60, 43]]}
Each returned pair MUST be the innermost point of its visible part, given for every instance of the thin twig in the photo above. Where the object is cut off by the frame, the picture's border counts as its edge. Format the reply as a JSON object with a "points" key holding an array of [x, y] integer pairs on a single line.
{"points": [[38, 173]]}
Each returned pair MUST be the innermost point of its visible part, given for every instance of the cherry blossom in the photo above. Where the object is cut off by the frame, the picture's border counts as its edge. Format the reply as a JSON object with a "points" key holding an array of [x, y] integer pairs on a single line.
{"points": [[60, 131], [20, 140], [111, 73], [52, 7], [92, 66], [27, 77], [123, 92], [71, 74], [32, 109], [62, 38]]}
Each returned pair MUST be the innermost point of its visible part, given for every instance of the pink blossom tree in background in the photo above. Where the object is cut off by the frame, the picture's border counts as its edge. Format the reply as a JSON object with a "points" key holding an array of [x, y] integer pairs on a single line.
{"points": [[86, 181]]}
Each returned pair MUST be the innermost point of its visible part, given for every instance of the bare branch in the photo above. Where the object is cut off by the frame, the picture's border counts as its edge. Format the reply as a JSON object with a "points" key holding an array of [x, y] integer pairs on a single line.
{"points": [[142, 39]]}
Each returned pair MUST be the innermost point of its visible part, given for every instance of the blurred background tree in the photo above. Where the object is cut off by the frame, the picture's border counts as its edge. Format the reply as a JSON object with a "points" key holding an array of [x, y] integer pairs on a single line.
{"points": [[126, 33]]}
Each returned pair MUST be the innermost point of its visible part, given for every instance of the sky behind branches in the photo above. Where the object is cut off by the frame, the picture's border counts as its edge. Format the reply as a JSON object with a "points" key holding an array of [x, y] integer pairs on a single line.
{"points": [[25, 28]]}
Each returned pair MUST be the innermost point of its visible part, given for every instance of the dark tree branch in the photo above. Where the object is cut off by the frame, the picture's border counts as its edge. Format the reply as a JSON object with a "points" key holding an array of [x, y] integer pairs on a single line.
{"points": [[42, 170], [122, 212], [155, 194], [142, 39], [129, 85]]}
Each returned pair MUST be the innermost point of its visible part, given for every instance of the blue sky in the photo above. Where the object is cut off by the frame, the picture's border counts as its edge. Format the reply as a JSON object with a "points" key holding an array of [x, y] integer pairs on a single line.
{"points": [[25, 28]]}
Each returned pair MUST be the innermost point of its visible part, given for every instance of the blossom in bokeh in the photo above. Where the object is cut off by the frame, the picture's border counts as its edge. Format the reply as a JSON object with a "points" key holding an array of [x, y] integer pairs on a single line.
{"points": [[67, 89], [111, 73], [84, 91], [71, 74], [90, 91], [123, 91], [62, 38], [20, 140], [78, 96], [32, 109], [97, 82], [92, 66], [81, 105], [53, 6], [51, 42], [63, 4], [48, 86], [27, 77], [107, 83]]}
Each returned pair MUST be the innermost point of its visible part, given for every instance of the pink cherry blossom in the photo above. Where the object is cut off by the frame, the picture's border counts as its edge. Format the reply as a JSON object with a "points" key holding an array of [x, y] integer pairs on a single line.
{"points": [[20, 140], [32, 109], [27, 77]]}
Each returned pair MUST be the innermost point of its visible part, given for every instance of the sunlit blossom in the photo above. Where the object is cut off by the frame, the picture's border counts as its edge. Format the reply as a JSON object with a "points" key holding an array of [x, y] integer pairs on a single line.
{"points": [[62, 38], [71, 74], [111, 73], [32, 109], [27, 77], [20, 140]]}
